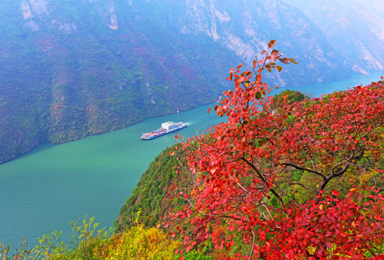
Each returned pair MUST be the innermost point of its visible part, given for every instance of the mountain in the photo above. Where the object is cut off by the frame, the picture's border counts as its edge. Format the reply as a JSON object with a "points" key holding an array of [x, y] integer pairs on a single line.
{"points": [[73, 68], [375, 6], [355, 28]]}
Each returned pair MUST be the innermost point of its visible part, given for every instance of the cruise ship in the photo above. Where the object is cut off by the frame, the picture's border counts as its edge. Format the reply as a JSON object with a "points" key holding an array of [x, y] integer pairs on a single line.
{"points": [[166, 128]]}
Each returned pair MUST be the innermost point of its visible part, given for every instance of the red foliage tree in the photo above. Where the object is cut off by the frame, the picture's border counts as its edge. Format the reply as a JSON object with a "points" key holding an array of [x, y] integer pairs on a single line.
{"points": [[242, 164]]}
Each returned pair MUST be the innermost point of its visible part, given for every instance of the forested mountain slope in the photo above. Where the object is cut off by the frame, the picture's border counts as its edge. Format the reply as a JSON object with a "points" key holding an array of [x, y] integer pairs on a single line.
{"points": [[69, 69]]}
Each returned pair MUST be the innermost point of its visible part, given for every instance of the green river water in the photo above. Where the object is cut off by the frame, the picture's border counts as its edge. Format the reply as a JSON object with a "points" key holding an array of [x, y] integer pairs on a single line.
{"points": [[43, 190]]}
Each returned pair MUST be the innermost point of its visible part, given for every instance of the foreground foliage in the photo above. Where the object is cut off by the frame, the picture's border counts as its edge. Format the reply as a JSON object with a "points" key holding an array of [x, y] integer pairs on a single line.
{"points": [[137, 242], [288, 180]]}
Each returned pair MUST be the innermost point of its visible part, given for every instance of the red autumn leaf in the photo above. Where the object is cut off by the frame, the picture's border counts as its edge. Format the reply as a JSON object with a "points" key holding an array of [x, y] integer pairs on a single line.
{"points": [[274, 55], [258, 79], [335, 193]]}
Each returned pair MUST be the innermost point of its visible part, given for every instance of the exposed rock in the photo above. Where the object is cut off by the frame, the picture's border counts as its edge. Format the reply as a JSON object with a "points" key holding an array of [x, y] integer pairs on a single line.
{"points": [[245, 28], [26, 9], [39, 6], [114, 24]]}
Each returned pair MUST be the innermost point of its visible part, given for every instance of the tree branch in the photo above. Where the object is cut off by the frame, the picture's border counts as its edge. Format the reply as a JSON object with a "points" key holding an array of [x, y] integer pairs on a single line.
{"points": [[265, 181], [305, 169], [333, 175]]}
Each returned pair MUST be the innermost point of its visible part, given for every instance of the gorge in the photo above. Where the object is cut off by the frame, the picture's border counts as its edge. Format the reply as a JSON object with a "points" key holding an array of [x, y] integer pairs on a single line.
{"points": [[80, 80], [70, 69]]}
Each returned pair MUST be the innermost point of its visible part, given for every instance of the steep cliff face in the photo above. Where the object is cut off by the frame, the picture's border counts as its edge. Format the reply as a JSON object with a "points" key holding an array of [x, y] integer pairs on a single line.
{"points": [[355, 28], [73, 68], [245, 28]]}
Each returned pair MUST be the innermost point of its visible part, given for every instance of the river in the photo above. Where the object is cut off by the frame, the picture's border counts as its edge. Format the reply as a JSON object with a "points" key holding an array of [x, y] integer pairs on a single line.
{"points": [[43, 190]]}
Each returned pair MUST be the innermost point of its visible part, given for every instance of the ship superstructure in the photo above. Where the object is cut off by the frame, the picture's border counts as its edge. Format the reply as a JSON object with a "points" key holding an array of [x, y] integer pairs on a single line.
{"points": [[166, 128]]}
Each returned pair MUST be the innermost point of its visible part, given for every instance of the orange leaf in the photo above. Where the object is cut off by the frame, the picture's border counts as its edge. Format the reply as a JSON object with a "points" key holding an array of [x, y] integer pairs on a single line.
{"points": [[271, 43], [238, 67], [209, 109]]}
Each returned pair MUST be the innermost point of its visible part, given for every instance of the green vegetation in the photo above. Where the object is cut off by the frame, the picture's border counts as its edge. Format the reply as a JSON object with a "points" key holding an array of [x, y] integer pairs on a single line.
{"points": [[155, 193], [291, 95]]}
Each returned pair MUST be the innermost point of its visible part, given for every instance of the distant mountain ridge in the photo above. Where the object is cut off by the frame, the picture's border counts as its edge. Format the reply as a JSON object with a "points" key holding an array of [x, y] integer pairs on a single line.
{"points": [[355, 28], [69, 69]]}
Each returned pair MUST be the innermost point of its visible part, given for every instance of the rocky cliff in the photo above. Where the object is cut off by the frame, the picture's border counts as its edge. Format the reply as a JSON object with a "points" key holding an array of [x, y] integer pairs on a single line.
{"points": [[69, 69], [355, 28], [245, 28]]}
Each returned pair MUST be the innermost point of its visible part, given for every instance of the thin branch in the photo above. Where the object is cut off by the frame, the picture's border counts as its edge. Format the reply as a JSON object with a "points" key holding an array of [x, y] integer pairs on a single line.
{"points": [[302, 185], [347, 163], [269, 212], [253, 242], [244, 189], [314, 166], [265, 181], [333, 175], [305, 169]]}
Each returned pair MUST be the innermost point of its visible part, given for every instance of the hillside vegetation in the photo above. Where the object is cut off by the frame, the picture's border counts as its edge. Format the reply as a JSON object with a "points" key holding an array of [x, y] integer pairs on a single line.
{"points": [[155, 192], [142, 231]]}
